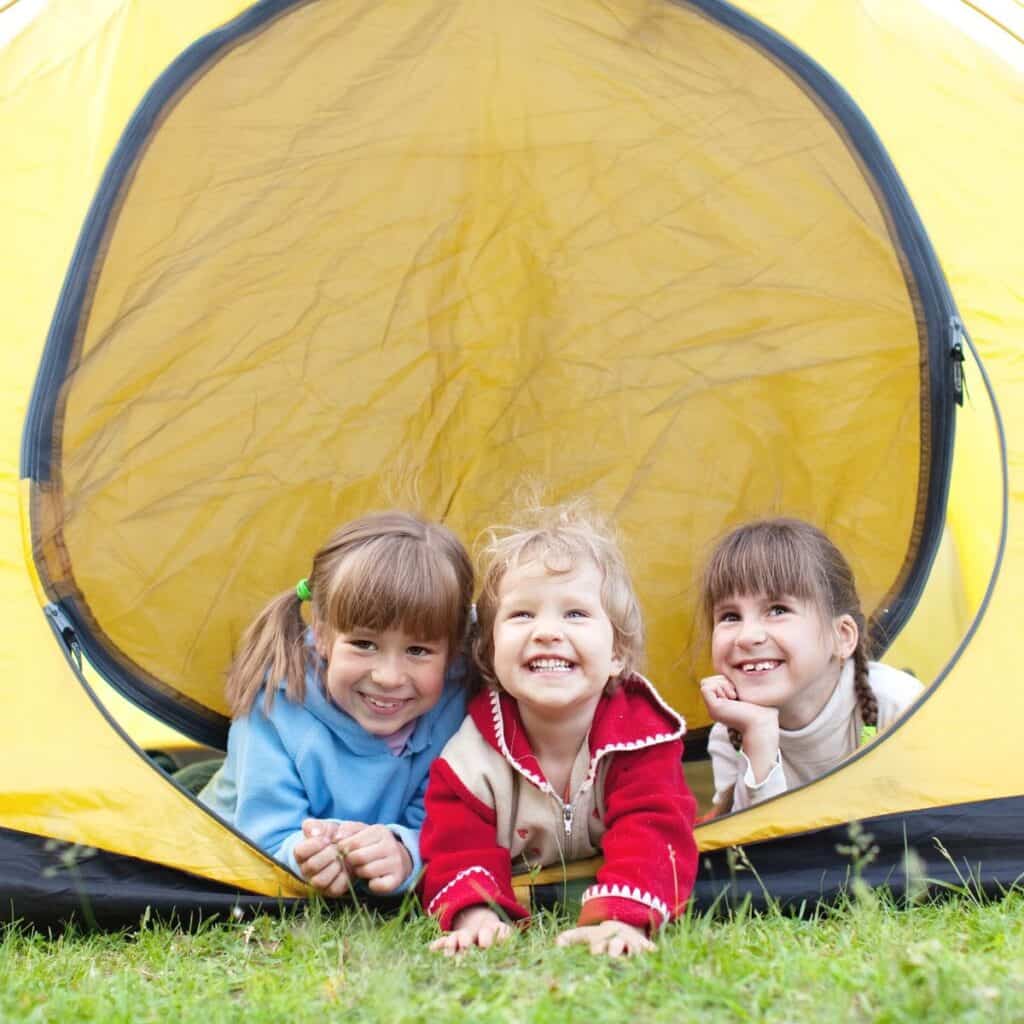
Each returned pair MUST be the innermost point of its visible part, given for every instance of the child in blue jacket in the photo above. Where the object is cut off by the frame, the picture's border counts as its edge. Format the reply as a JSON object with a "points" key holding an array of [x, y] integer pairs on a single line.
{"points": [[327, 762]]}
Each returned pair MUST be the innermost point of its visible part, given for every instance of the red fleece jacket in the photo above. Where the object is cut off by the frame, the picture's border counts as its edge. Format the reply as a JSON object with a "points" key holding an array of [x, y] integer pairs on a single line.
{"points": [[489, 806]]}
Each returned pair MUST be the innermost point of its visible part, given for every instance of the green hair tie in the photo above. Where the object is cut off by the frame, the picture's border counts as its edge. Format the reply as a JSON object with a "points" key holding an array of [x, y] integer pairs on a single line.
{"points": [[867, 734], [302, 591]]}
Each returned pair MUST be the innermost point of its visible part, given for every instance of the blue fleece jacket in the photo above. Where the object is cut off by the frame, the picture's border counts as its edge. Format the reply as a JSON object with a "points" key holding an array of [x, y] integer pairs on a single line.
{"points": [[315, 761]]}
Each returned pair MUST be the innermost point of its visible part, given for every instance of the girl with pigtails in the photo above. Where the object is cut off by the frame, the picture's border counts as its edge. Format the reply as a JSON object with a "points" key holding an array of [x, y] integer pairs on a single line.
{"points": [[794, 692], [335, 724]]}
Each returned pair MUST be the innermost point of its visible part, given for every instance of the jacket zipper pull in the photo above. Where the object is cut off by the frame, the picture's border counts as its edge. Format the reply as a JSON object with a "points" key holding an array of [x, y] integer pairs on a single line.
{"points": [[567, 818], [956, 353]]}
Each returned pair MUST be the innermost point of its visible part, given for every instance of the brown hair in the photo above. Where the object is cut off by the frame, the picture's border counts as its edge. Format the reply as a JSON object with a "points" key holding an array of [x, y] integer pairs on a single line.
{"points": [[381, 571], [560, 537], [790, 556]]}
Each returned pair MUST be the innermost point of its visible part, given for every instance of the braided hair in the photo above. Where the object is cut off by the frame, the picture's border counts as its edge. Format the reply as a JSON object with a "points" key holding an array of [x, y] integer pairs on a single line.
{"points": [[790, 556]]}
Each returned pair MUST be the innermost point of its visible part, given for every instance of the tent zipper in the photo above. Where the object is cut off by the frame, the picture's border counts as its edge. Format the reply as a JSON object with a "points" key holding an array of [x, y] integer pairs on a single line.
{"points": [[958, 335], [62, 625]]}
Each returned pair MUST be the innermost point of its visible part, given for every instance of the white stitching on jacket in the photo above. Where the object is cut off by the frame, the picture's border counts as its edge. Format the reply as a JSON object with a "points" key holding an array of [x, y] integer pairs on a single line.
{"points": [[611, 748], [499, 732], [624, 892], [458, 878]]}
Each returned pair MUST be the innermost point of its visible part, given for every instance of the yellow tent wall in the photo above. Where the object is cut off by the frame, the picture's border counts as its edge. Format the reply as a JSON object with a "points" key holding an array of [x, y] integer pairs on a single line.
{"points": [[70, 81], [946, 108]]}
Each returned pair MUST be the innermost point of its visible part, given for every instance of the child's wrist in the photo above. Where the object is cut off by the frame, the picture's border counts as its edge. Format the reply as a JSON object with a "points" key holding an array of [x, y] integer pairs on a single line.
{"points": [[761, 746]]}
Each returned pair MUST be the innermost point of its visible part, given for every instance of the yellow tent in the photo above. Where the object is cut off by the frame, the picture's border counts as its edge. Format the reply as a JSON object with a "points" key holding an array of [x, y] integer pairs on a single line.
{"points": [[267, 267]]}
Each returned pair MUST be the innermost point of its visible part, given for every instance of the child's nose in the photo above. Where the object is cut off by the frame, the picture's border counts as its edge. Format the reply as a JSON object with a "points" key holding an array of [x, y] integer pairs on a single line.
{"points": [[386, 672], [547, 628], [752, 632]]}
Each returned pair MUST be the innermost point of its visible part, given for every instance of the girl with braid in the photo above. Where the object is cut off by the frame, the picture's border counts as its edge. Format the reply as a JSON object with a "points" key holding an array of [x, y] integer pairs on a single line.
{"points": [[794, 692]]}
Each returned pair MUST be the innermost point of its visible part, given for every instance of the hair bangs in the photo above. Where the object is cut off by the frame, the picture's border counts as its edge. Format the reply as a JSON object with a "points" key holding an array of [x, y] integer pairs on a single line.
{"points": [[770, 560], [398, 583]]}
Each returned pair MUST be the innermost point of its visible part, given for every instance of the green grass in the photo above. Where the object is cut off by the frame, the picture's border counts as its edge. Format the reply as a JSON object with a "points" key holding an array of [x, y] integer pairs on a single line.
{"points": [[960, 959]]}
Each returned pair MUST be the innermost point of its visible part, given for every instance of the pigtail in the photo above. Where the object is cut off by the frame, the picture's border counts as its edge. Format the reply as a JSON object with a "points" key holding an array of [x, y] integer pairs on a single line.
{"points": [[272, 648], [866, 700]]}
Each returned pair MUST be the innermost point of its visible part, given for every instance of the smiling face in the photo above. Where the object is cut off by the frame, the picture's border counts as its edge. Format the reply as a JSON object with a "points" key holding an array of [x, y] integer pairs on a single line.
{"points": [[778, 652], [554, 644], [384, 679]]}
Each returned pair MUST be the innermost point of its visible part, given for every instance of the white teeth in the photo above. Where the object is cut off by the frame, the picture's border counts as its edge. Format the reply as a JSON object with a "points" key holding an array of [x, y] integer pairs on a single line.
{"points": [[550, 665], [384, 705], [760, 666]]}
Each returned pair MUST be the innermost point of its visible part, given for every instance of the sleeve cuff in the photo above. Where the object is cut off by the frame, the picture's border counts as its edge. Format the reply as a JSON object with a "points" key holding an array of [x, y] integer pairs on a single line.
{"points": [[470, 888], [773, 783], [286, 852], [620, 903], [410, 839]]}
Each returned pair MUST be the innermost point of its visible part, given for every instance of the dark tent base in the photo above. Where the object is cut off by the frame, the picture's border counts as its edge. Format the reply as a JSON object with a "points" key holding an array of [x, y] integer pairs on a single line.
{"points": [[49, 884], [46, 884], [981, 841]]}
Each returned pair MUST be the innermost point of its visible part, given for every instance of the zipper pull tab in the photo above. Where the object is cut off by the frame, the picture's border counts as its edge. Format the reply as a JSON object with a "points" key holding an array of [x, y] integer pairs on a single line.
{"points": [[62, 624], [957, 335], [567, 818]]}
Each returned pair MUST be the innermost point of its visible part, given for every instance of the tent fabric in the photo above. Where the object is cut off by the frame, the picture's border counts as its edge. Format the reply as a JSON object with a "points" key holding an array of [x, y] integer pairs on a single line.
{"points": [[703, 261], [440, 315]]}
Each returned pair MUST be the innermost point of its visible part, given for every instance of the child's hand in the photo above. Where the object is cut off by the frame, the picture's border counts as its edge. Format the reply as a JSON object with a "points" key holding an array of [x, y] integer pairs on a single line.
{"points": [[724, 705], [758, 725], [374, 853], [474, 926], [609, 938], [317, 855]]}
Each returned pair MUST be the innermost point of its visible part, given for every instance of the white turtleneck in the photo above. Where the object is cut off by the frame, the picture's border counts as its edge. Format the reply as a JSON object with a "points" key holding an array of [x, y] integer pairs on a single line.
{"points": [[807, 753]]}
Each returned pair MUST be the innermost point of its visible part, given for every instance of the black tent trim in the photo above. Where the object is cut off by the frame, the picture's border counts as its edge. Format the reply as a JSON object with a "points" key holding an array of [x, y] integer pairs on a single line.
{"points": [[46, 883], [981, 841], [41, 440]]}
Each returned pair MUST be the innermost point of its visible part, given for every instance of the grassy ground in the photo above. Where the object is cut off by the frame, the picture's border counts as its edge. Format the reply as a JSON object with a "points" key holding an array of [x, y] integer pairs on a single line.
{"points": [[961, 959]]}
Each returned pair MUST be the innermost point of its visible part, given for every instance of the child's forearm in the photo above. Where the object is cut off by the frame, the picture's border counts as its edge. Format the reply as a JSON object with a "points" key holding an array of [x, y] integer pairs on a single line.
{"points": [[761, 745]]}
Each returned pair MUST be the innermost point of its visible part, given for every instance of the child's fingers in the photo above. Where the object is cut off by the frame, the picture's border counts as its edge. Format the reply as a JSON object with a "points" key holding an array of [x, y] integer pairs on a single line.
{"points": [[358, 852], [452, 943], [318, 860], [336, 887], [716, 688], [492, 934], [610, 938], [362, 841], [331, 881], [382, 883], [306, 848], [346, 831]]}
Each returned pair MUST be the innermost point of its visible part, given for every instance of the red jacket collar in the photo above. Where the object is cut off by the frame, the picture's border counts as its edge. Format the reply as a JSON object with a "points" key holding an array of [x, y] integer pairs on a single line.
{"points": [[632, 717]]}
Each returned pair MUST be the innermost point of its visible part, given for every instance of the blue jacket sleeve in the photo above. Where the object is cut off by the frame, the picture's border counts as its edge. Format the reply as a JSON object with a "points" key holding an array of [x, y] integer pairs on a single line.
{"points": [[271, 799]]}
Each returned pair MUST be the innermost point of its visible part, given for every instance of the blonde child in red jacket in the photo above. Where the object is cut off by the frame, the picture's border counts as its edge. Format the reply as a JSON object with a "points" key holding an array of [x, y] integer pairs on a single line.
{"points": [[567, 753]]}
